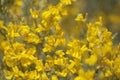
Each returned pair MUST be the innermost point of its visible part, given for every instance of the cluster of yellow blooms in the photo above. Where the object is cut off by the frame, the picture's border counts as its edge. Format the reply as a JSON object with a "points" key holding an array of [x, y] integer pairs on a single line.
{"points": [[42, 52]]}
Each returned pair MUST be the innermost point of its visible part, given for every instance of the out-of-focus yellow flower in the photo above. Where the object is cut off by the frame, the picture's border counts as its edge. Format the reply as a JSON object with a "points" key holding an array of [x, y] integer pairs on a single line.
{"points": [[34, 13], [26, 59], [92, 60], [31, 75], [117, 72], [44, 76], [17, 72], [8, 74], [85, 75], [71, 67], [18, 2], [59, 61], [38, 49], [77, 48], [32, 38], [18, 46], [54, 14], [108, 62], [10, 58], [67, 2], [108, 73], [39, 28], [46, 15], [24, 30], [10, 61], [48, 48], [60, 42], [39, 65], [62, 73], [80, 18], [106, 36], [60, 53], [49, 62], [54, 77], [90, 74], [12, 31], [1, 23], [5, 45], [100, 21], [31, 51], [50, 40], [79, 78], [93, 35]]}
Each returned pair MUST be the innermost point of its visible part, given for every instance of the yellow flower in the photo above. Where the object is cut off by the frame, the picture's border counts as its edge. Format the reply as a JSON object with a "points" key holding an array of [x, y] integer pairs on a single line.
{"points": [[54, 77], [39, 28], [60, 53], [6, 45], [44, 76], [106, 36], [49, 62], [26, 59], [71, 67], [80, 18], [48, 48], [85, 75], [18, 2], [32, 38], [2, 28], [32, 75], [93, 35], [12, 31], [39, 65], [1, 23], [77, 48], [67, 2], [90, 74], [60, 42], [31, 51], [24, 29], [8, 74], [100, 21], [117, 72], [50, 40], [34, 13], [10, 58], [9, 61], [108, 73], [49, 45], [59, 61], [108, 62], [17, 72], [62, 73], [18, 46], [79, 78], [91, 60], [46, 15], [38, 49]]}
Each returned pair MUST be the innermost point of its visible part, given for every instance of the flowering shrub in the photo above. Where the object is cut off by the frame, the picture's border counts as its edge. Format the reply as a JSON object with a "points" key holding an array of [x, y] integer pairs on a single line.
{"points": [[41, 51]]}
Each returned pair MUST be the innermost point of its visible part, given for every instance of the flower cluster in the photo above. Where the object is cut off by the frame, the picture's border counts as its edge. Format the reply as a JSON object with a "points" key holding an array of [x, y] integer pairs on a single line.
{"points": [[41, 51]]}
